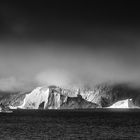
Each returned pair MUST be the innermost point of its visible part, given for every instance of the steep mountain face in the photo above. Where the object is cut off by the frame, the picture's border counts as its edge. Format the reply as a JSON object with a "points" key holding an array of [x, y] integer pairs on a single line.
{"points": [[106, 95], [13, 99], [53, 98], [77, 102]]}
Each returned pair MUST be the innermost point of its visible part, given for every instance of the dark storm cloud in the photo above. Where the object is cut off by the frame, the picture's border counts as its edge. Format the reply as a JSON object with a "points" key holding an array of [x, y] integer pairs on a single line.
{"points": [[68, 45]]}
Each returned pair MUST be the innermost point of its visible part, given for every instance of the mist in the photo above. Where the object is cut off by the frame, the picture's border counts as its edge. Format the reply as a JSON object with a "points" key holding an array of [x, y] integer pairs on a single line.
{"points": [[65, 47]]}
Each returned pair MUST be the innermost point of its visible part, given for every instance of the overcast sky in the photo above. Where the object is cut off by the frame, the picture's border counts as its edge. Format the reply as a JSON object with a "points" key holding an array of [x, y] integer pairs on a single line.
{"points": [[68, 44]]}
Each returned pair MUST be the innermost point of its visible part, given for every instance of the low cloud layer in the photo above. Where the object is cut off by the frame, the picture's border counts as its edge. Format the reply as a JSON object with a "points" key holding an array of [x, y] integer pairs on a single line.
{"points": [[74, 67], [54, 77], [100, 56], [12, 84]]}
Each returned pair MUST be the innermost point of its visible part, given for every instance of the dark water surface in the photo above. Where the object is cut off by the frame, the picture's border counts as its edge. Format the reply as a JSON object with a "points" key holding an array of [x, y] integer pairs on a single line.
{"points": [[70, 125]]}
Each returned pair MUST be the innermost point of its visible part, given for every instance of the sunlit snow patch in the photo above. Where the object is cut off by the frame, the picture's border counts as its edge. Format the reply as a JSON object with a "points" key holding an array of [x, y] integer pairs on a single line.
{"points": [[128, 103]]}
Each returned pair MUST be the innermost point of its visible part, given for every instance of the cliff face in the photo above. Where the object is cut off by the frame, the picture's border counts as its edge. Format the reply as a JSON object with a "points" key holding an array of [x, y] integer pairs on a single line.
{"points": [[77, 102], [53, 98]]}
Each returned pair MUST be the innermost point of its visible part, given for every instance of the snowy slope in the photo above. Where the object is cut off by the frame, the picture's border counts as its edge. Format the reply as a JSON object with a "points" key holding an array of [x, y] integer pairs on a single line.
{"points": [[128, 103]]}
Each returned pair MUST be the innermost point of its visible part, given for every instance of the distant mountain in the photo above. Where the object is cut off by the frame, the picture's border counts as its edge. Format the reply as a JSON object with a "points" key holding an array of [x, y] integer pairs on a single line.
{"points": [[53, 97], [106, 95]]}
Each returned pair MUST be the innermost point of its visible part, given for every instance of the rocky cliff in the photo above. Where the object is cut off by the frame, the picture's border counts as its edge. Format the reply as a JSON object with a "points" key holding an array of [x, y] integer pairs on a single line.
{"points": [[52, 97]]}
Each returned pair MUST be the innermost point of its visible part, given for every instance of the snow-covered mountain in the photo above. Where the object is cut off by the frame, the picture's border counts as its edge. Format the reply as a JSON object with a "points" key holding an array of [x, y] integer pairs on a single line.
{"points": [[53, 98], [106, 95]]}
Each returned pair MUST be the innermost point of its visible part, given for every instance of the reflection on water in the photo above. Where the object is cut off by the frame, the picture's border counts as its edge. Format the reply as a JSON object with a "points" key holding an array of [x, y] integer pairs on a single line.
{"points": [[70, 125]]}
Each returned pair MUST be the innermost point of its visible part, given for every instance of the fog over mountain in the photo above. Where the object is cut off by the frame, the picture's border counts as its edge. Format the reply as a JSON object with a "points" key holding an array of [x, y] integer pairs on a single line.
{"points": [[72, 46]]}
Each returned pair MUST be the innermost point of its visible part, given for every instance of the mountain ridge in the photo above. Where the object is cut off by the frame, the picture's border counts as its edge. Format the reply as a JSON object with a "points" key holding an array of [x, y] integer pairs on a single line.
{"points": [[102, 95]]}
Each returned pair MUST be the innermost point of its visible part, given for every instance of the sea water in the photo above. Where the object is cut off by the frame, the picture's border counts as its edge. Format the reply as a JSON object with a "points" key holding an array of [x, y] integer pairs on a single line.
{"points": [[70, 124]]}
